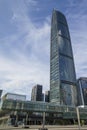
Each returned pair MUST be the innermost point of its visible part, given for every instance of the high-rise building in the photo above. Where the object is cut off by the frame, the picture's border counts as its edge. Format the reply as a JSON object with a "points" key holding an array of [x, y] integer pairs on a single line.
{"points": [[0, 93], [62, 71], [47, 96], [36, 94], [43, 97], [82, 91]]}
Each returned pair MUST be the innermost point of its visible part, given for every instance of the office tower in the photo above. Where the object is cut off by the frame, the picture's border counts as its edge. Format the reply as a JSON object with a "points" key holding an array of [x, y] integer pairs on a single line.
{"points": [[47, 96], [82, 91], [0, 93], [36, 94], [62, 70], [43, 97]]}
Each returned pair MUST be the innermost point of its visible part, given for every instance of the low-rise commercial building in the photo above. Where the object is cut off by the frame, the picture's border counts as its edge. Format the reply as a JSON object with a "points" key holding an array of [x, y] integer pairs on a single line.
{"points": [[14, 97]]}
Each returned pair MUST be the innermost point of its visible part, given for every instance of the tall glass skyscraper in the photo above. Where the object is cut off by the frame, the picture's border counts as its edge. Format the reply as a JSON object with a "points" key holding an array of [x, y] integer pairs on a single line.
{"points": [[82, 91], [62, 70]]}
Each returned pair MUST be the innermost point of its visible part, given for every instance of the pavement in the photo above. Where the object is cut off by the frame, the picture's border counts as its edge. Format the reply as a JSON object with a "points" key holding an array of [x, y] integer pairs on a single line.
{"points": [[50, 127]]}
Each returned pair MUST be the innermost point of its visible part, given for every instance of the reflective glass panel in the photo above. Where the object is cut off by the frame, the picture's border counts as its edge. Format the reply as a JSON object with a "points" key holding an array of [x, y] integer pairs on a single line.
{"points": [[64, 46], [68, 94], [63, 30], [61, 18], [67, 71]]}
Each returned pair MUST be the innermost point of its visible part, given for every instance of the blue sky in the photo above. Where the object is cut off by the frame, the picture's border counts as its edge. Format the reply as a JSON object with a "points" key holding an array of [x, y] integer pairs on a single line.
{"points": [[25, 41]]}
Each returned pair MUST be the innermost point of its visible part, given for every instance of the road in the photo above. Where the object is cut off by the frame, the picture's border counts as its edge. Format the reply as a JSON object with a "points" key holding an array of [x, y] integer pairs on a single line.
{"points": [[56, 127]]}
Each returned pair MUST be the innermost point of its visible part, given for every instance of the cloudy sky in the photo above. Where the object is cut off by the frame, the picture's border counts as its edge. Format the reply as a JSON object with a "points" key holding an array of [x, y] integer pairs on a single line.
{"points": [[25, 41]]}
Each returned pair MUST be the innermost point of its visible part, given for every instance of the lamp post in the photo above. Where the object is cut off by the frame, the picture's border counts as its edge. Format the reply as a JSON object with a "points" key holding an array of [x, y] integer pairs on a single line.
{"points": [[78, 116], [43, 128], [43, 120]]}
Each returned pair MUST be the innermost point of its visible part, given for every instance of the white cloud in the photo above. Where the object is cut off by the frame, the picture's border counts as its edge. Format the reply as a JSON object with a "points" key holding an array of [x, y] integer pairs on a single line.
{"points": [[24, 59], [24, 55]]}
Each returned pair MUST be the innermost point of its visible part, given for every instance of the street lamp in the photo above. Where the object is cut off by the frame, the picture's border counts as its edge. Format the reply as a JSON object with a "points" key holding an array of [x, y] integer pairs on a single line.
{"points": [[43, 125], [78, 115]]}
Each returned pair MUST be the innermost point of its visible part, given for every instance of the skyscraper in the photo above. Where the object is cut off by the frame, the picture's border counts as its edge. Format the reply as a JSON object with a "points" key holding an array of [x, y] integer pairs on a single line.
{"points": [[47, 95], [0, 93], [62, 70], [36, 94], [82, 91]]}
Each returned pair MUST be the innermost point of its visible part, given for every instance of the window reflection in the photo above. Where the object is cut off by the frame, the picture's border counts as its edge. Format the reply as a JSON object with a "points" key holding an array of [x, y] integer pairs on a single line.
{"points": [[67, 71], [61, 18], [64, 46], [63, 30], [68, 94]]}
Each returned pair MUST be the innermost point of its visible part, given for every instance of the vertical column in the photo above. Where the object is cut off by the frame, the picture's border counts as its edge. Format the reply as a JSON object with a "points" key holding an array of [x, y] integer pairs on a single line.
{"points": [[26, 118], [16, 120], [43, 128], [78, 117], [43, 120]]}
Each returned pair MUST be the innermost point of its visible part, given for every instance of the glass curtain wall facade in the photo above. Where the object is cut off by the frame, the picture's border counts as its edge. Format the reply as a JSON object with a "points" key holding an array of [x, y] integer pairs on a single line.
{"points": [[82, 91], [62, 70], [0, 93], [36, 94]]}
